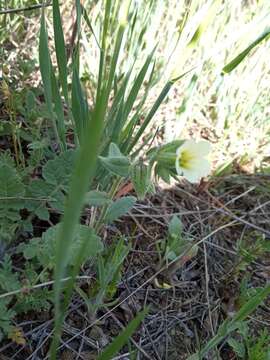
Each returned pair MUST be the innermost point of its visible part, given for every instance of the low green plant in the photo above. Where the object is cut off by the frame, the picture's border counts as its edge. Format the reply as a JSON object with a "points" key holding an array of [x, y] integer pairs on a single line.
{"points": [[176, 243], [17, 296], [109, 271], [231, 325], [19, 193], [252, 248], [250, 347], [12, 191]]}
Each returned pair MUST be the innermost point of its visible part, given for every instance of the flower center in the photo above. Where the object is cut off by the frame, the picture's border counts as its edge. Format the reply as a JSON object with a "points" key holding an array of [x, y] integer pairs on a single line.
{"points": [[185, 159]]}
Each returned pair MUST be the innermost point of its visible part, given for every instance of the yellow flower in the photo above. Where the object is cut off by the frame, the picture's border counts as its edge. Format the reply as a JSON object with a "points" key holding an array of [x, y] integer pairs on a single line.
{"points": [[191, 160]]}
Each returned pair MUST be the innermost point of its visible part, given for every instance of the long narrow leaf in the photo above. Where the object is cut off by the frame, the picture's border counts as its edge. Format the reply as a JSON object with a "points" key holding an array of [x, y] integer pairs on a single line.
{"points": [[80, 109], [228, 326], [60, 48], [239, 58], [118, 42], [45, 63], [137, 85], [164, 92], [58, 107], [46, 71], [151, 113], [82, 176], [88, 22], [101, 74], [122, 338]]}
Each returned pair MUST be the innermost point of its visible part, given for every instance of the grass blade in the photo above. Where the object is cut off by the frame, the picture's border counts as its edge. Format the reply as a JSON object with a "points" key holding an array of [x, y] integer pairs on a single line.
{"points": [[60, 48], [103, 46], [239, 58], [88, 22], [122, 338], [228, 326], [46, 71], [80, 109], [58, 107], [82, 176], [251, 305], [137, 85], [117, 47], [45, 63], [164, 92]]}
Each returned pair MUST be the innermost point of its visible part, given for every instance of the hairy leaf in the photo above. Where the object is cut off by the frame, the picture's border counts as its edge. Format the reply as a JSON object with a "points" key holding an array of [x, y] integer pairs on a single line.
{"points": [[119, 208]]}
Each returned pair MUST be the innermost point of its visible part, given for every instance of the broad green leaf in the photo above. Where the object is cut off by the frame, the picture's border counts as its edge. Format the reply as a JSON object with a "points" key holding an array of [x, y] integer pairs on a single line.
{"points": [[175, 226], [239, 58], [12, 191], [116, 162], [58, 170], [168, 148], [116, 165], [44, 248], [97, 198], [237, 347], [114, 151], [122, 338], [176, 244], [163, 173], [11, 186], [119, 208], [44, 195], [50, 192]]}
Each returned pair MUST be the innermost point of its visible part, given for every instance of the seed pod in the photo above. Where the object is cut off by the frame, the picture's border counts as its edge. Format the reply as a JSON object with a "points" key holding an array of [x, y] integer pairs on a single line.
{"points": [[141, 178]]}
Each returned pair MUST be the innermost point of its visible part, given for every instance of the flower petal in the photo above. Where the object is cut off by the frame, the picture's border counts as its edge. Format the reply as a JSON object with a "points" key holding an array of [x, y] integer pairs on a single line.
{"points": [[187, 145], [205, 147], [191, 161], [199, 169], [178, 168], [201, 149]]}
